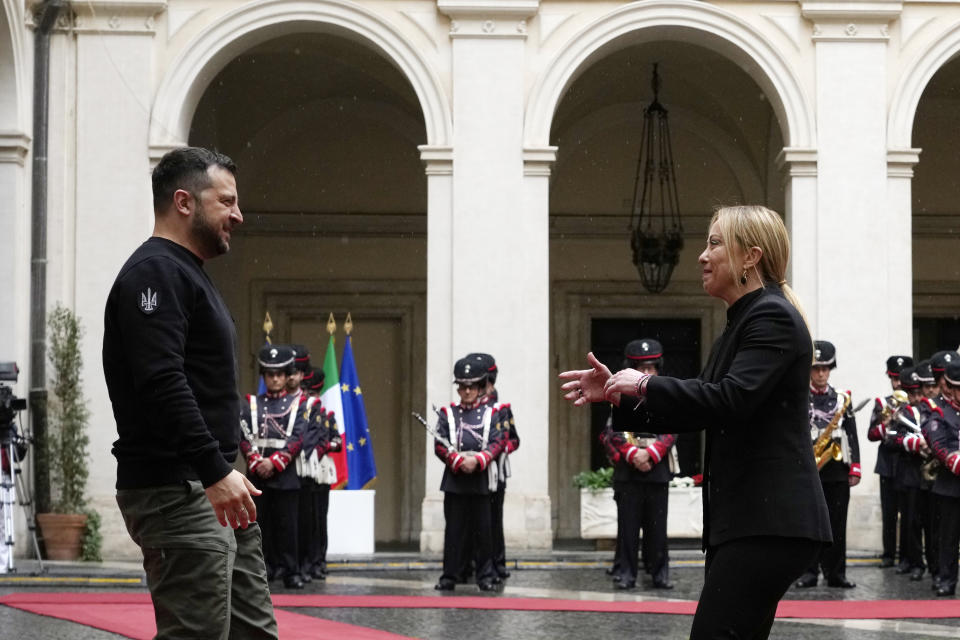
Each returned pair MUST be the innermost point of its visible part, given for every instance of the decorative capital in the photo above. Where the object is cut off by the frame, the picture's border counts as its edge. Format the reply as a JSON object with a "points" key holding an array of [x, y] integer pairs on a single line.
{"points": [[796, 162], [14, 147], [157, 151], [488, 18], [900, 162], [845, 21], [438, 160], [537, 161], [112, 16]]}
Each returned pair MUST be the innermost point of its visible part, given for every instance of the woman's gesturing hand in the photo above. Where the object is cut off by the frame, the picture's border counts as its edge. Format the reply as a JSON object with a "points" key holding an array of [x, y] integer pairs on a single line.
{"points": [[586, 385]]}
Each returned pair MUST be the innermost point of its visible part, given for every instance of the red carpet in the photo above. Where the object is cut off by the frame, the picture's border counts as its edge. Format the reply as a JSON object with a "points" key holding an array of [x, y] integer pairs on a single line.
{"points": [[131, 614]]}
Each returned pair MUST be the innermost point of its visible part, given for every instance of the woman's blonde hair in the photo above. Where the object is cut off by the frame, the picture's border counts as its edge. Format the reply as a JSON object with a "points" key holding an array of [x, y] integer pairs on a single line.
{"points": [[748, 226]]}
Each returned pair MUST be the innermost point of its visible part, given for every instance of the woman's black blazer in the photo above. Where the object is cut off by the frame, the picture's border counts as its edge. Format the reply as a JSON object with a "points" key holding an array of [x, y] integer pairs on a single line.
{"points": [[760, 478]]}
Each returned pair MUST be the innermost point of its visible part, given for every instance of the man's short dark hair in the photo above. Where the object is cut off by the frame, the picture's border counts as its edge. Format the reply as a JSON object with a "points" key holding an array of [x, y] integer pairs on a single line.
{"points": [[185, 168]]}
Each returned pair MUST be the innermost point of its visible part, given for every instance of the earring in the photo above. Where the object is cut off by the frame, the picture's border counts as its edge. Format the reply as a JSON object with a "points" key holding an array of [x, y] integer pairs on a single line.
{"points": [[743, 278]]}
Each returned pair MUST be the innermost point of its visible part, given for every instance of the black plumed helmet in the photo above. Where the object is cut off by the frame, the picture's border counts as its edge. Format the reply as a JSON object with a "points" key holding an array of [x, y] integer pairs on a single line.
{"points": [[824, 354], [276, 356], [895, 363], [486, 361], [301, 357], [469, 371]]}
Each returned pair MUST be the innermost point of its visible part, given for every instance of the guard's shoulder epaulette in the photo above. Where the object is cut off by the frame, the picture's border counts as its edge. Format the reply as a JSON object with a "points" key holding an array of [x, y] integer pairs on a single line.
{"points": [[934, 407]]}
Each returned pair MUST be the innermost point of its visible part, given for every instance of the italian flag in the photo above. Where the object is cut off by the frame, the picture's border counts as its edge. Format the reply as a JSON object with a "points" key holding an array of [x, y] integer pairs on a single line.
{"points": [[331, 400]]}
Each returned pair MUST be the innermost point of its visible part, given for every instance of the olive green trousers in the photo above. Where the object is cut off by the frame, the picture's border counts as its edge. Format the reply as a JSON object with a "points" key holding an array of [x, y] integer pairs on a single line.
{"points": [[206, 581]]}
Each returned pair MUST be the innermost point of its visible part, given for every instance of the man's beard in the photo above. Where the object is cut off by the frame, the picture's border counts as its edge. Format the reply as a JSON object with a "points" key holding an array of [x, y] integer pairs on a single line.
{"points": [[209, 238]]}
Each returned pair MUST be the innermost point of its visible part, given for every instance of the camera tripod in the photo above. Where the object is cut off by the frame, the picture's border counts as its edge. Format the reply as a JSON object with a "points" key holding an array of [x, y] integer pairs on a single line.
{"points": [[14, 491]]}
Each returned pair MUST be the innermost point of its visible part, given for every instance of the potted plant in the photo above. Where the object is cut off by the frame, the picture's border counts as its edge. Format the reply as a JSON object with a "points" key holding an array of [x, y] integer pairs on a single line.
{"points": [[598, 511], [67, 440]]}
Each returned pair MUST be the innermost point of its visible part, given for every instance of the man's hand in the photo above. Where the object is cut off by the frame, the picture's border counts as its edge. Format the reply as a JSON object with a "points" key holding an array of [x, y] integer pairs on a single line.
{"points": [[232, 500], [470, 463], [264, 470], [642, 460]]}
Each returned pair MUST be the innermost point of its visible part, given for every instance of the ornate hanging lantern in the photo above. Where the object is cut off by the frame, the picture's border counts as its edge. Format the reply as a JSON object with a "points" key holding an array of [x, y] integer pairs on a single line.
{"points": [[656, 233]]}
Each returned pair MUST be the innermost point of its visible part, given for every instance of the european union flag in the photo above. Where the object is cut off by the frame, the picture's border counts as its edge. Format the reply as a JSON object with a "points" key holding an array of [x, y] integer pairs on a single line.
{"points": [[361, 468]]}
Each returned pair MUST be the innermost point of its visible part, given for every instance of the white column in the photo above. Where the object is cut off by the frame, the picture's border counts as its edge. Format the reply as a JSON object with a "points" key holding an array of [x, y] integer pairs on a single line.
{"points": [[113, 202], [862, 296], [800, 182], [498, 251], [15, 255], [439, 170]]}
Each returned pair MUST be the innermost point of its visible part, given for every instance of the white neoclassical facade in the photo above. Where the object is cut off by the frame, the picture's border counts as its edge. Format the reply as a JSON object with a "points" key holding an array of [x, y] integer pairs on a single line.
{"points": [[458, 175]]}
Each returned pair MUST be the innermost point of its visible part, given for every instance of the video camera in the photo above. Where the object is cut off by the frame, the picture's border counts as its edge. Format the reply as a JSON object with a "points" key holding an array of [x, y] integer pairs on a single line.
{"points": [[10, 404]]}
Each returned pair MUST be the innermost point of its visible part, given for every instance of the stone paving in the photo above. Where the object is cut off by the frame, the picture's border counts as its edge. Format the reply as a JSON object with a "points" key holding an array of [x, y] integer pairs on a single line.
{"points": [[556, 576]]}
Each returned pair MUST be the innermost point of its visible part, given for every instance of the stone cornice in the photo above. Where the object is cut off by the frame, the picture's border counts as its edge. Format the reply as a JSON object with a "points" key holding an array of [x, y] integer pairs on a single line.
{"points": [[14, 147], [488, 18], [537, 161], [111, 16], [438, 160], [852, 20], [796, 162], [900, 162]]}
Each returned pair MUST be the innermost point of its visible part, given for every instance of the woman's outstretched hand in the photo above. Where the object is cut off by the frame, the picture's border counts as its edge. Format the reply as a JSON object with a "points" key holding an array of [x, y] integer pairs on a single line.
{"points": [[586, 385]]}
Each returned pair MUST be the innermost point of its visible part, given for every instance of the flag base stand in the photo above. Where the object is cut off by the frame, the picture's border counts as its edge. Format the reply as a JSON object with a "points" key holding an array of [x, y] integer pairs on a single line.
{"points": [[350, 522]]}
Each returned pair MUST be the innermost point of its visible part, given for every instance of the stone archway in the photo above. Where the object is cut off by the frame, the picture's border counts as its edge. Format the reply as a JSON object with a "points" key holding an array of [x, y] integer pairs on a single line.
{"points": [[915, 78], [713, 28], [215, 46]]}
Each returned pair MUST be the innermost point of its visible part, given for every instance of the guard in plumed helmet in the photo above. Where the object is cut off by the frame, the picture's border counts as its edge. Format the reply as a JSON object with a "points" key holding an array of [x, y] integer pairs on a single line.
{"points": [[943, 428], [273, 426], [506, 423], [930, 403], [833, 432], [887, 457], [301, 365], [939, 362], [915, 524], [643, 464], [468, 442], [317, 473]]}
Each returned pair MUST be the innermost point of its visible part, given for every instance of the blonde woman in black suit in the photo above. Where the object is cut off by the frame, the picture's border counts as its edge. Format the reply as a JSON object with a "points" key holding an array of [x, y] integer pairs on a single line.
{"points": [[765, 518]]}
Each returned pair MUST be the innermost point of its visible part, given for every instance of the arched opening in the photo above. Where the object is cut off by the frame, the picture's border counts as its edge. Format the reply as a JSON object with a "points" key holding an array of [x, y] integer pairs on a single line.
{"points": [[727, 132], [325, 130], [935, 212]]}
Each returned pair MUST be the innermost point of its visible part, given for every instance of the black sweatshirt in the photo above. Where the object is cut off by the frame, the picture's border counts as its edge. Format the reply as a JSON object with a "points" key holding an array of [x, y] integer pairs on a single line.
{"points": [[169, 360]]}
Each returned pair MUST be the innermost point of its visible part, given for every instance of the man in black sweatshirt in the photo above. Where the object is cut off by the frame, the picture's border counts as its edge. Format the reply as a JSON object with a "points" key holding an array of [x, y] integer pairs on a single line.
{"points": [[169, 360]]}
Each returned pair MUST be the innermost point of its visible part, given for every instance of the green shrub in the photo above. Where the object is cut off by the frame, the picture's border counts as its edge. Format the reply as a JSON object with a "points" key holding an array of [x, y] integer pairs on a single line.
{"points": [[594, 480]]}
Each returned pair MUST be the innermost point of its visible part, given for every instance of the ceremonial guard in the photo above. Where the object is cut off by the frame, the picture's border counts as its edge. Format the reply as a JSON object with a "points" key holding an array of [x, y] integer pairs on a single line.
{"points": [[943, 429], [273, 427], [301, 365], [914, 474], [468, 441], [833, 429], [643, 466], [318, 473], [887, 456], [506, 424], [929, 404]]}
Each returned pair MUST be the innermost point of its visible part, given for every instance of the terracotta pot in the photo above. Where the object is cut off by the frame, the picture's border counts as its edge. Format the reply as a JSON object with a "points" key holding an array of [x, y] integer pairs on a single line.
{"points": [[62, 533]]}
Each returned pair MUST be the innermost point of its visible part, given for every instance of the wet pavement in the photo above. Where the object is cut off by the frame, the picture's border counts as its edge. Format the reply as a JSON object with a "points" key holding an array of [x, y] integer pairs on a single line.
{"points": [[566, 576]]}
